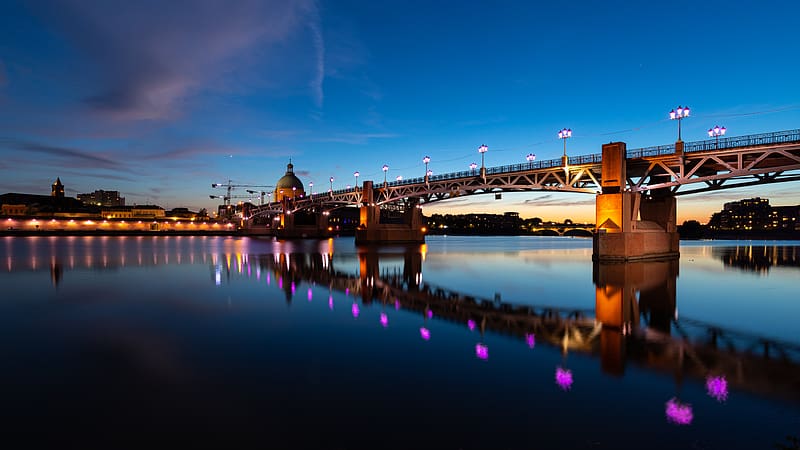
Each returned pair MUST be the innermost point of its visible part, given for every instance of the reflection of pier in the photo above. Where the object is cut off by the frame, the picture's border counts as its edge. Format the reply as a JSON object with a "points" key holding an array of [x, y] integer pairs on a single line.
{"points": [[633, 322]]}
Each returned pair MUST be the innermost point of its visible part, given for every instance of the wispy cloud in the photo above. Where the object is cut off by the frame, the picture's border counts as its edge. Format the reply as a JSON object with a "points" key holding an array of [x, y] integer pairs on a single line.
{"points": [[552, 200], [354, 138], [69, 157], [150, 56], [319, 52]]}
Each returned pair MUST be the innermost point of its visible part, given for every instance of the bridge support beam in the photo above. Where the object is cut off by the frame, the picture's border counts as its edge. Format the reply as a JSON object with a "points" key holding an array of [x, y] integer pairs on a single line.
{"points": [[371, 231], [630, 226]]}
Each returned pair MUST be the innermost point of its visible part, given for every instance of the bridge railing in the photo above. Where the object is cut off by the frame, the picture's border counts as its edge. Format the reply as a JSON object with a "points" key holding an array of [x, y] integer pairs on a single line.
{"points": [[750, 140]]}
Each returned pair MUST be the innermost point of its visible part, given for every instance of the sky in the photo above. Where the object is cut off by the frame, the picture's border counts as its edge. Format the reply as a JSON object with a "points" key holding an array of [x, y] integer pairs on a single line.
{"points": [[158, 100]]}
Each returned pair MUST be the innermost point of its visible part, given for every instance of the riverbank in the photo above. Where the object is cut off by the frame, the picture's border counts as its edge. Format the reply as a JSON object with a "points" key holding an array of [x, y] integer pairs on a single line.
{"points": [[133, 233]]}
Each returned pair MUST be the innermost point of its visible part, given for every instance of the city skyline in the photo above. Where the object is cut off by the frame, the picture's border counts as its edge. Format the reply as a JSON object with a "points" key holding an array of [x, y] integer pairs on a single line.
{"points": [[158, 101]]}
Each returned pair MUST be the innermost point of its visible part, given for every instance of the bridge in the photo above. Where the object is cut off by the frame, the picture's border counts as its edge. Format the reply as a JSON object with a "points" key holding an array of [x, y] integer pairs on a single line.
{"points": [[635, 190]]}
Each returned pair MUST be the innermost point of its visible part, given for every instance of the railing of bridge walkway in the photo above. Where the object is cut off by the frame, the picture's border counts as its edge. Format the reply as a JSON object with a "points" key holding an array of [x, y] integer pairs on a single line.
{"points": [[750, 140]]}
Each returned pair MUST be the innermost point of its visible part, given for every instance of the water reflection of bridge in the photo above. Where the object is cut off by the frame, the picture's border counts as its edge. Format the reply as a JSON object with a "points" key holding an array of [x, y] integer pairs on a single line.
{"points": [[633, 321]]}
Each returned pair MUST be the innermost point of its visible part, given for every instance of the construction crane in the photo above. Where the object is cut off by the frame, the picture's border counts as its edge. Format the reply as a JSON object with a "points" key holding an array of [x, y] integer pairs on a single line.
{"points": [[229, 186]]}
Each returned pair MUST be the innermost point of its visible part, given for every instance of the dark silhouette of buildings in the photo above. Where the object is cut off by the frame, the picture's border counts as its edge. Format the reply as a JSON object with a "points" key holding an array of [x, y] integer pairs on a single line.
{"points": [[755, 214], [102, 198]]}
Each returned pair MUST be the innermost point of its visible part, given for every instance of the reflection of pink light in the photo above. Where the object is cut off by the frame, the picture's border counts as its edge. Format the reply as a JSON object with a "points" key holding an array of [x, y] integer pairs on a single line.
{"points": [[293, 287], [397, 304], [384, 320], [481, 351], [269, 280], [346, 292], [717, 388], [330, 302], [425, 333], [280, 282], [679, 413], [564, 378], [471, 324], [530, 339], [429, 314], [355, 310], [309, 294]]}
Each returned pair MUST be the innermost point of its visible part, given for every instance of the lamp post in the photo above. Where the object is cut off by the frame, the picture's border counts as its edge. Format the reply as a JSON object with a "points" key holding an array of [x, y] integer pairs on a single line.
{"points": [[385, 169], [679, 114], [565, 134], [472, 167], [399, 178], [426, 160], [356, 174], [482, 150], [311, 188], [717, 131], [331, 185], [428, 174], [531, 157]]}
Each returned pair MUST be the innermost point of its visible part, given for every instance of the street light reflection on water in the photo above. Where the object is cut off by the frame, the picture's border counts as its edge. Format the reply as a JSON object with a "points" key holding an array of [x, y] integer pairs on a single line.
{"points": [[515, 292]]}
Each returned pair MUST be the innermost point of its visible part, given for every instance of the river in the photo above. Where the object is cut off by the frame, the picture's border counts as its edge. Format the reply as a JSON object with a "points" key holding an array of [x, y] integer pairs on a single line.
{"points": [[464, 342]]}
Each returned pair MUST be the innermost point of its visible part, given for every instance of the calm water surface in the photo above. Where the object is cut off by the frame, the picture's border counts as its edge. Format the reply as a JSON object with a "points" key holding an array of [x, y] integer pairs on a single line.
{"points": [[465, 342]]}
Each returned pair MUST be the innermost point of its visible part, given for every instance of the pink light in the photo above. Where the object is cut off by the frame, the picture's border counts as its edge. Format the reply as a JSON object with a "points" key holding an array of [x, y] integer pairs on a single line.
{"points": [[425, 333], [330, 302], [717, 388], [355, 310], [429, 314], [346, 292], [471, 324], [397, 304], [310, 296], [269, 280], [384, 320], [482, 351], [530, 339], [564, 378], [679, 413], [293, 287]]}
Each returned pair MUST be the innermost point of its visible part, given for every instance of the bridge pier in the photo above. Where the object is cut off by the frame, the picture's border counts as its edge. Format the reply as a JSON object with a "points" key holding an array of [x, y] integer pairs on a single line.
{"points": [[372, 231], [289, 227], [631, 226]]}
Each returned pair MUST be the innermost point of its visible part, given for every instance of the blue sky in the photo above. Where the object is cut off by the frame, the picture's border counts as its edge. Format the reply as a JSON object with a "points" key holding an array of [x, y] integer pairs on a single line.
{"points": [[160, 99]]}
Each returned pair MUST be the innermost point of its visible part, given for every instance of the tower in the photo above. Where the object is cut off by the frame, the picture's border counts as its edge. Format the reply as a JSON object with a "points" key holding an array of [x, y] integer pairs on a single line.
{"points": [[58, 189]]}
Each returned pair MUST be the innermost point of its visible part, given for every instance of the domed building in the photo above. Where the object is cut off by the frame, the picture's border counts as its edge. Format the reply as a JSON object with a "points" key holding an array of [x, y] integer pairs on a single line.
{"points": [[289, 186]]}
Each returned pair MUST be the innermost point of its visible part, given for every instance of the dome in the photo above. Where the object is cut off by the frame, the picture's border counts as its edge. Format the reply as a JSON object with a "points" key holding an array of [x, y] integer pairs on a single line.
{"points": [[289, 180], [289, 185]]}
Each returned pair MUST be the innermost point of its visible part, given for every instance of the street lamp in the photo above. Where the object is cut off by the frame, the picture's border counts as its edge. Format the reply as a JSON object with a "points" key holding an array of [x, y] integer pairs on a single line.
{"points": [[565, 134], [399, 178], [385, 169], [429, 173], [482, 149], [426, 160], [331, 185], [472, 167], [311, 188], [356, 174], [679, 114], [531, 157], [717, 131]]}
